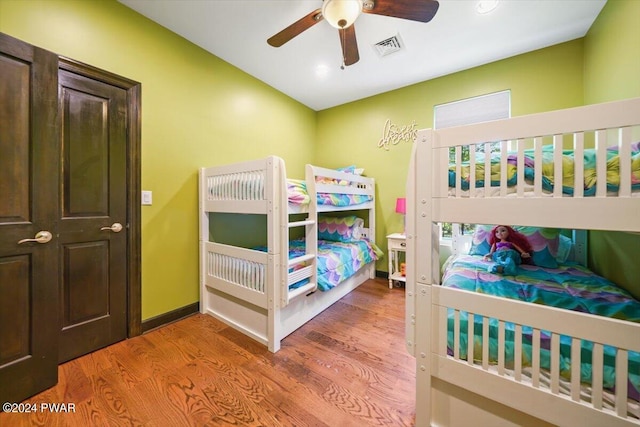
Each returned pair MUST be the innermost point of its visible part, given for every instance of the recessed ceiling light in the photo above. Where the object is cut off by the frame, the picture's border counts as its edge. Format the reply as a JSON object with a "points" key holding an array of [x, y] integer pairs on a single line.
{"points": [[322, 71], [486, 6]]}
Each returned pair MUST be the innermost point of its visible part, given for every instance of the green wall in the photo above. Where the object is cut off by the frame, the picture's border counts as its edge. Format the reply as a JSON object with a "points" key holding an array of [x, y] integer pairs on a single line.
{"points": [[612, 71], [612, 53], [543, 80], [197, 110]]}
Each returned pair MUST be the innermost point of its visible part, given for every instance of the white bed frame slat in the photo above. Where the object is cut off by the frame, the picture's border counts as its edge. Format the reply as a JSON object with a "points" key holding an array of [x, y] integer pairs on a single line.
{"points": [[517, 355], [532, 390], [503, 168], [557, 165], [501, 353], [601, 162], [472, 170], [578, 168], [575, 369], [535, 362], [537, 158], [470, 342], [485, 343], [458, 157], [621, 383], [487, 168], [520, 171], [625, 162], [596, 375], [456, 335], [555, 363]]}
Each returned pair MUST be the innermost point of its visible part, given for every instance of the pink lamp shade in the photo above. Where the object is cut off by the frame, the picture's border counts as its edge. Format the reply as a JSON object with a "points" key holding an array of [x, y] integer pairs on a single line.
{"points": [[401, 205]]}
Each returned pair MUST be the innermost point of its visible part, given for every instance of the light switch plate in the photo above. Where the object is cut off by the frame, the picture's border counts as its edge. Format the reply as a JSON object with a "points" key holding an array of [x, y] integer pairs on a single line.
{"points": [[147, 197]]}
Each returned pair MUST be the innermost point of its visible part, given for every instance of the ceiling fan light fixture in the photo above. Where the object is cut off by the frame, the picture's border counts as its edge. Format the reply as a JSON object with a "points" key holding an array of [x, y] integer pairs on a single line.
{"points": [[341, 13]]}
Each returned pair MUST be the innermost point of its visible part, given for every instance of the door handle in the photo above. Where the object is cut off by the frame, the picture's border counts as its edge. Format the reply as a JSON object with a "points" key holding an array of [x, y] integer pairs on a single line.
{"points": [[116, 227], [41, 237]]}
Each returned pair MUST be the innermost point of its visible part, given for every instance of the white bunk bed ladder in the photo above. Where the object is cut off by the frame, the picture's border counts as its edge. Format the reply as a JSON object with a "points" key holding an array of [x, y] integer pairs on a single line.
{"points": [[304, 266]]}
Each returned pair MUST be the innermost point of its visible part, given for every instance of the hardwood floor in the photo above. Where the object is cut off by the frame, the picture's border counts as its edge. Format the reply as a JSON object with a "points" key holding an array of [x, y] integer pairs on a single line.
{"points": [[346, 367]]}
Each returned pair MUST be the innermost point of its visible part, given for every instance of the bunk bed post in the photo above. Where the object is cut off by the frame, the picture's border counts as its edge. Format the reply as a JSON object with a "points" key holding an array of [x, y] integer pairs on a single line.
{"points": [[423, 244], [410, 232], [372, 238], [203, 220], [580, 246], [278, 248], [311, 230]]}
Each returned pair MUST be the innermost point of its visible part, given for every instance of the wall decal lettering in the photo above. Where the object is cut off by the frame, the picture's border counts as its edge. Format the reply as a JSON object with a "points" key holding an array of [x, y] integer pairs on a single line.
{"points": [[392, 134]]}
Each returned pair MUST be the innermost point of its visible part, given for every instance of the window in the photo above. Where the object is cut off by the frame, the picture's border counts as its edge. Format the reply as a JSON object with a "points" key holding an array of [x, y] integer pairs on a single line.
{"points": [[447, 229], [484, 108]]}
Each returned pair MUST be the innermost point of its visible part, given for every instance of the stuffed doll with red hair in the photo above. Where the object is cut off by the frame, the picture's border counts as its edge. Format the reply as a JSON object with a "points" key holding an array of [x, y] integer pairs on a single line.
{"points": [[508, 250]]}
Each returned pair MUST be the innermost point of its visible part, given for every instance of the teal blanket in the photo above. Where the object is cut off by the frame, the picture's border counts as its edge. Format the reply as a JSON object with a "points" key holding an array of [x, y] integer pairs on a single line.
{"points": [[570, 287], [337, 261]]}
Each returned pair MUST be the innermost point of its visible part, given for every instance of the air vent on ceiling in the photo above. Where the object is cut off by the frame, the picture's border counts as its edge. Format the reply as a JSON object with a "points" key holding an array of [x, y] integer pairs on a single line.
{"points": [[389, 46]]}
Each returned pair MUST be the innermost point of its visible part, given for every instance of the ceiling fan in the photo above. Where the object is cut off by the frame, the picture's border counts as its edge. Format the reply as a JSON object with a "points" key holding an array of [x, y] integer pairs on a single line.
{"points": [[342, 14]]}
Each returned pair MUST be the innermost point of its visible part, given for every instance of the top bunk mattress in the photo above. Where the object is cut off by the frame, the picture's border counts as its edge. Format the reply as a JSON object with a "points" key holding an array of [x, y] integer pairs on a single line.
{"points": [[299, 198], [548, 169]]}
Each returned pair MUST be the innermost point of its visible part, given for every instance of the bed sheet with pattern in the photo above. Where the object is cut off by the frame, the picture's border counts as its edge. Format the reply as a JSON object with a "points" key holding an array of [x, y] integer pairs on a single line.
{"points": [[613, 170], [337, 261], [570, 286]]}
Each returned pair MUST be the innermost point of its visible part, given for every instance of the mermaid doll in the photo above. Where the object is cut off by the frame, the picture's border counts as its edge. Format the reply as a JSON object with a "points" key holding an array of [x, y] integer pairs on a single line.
{"points": [[508, 248]]}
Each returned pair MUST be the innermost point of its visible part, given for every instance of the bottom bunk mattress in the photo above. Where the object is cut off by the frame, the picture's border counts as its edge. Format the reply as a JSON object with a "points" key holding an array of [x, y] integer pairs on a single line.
{"points": [[570, 286], [337, 261]]}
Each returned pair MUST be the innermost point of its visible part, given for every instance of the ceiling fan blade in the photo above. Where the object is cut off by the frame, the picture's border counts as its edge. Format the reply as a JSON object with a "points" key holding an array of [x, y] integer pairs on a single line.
{"points": [[414, 10], [296, 28], [349, 45]]}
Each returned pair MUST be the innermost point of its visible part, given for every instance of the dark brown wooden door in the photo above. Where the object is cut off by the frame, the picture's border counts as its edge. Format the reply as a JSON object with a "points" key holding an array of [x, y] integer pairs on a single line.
{"points": [[29, 165], [69, 214], [92, 224]]}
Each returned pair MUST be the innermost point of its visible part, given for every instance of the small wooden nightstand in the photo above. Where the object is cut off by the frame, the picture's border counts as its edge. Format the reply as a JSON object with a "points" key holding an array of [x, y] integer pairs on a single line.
{"points": [[396, 243]]}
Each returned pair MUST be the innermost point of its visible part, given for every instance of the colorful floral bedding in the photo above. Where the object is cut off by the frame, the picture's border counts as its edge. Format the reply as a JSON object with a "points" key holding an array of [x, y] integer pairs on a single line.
{"points": [[337, 261], [548, 181], [298, 195], [570, 286]]}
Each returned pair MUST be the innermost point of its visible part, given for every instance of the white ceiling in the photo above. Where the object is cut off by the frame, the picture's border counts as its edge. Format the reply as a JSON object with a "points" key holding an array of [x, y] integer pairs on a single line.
{"points": [[307, 68]]}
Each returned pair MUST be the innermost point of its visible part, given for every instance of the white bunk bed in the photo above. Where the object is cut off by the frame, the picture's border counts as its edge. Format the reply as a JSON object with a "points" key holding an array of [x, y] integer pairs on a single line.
{"points": [[250, 288], [453, 389]]}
